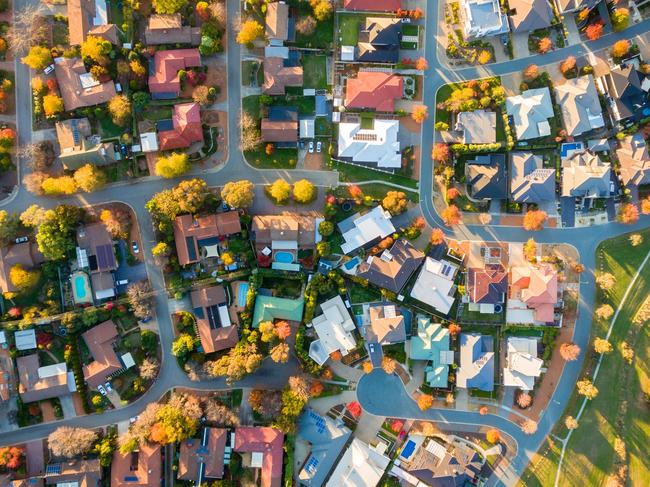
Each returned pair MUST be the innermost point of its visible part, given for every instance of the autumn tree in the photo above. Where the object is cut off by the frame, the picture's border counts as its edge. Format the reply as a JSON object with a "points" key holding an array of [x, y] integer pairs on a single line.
{"points": [[628, 213], [149, 369], [421, 64], [38, 58], [238, 194], [251, 136], [544, 45], [9, 227], [168, 6], [249, 32], [636, 239], [304, 191], [174, 165], [620, 19], [326, 228], [140, 296], [534, 220], [389, 365], [529, 427], [425, 401], [174, 424], [645, 205], [367, 367], [441, 153], [530, 250], [483, 410], [11, 457], [120, 109], [89, 178], [306, 25], [587, 388], [70, 442], [568, 65], [216, 412], [605, 281], [571, 423], [282, 330], [241, 360], [322, 9], [493, 436], [201, 95], [451, 215], [601, 345], [627, 352], [531, 72], [24, 280], [437, 237], [183, 345], [524, 400], [578, 268], [620, 48], [280, 353], [594, 31], [96, 49], [117, 222], [485, 218], [604, 311], [484, 56], [395, 202], [52, 105], [419, 113]]}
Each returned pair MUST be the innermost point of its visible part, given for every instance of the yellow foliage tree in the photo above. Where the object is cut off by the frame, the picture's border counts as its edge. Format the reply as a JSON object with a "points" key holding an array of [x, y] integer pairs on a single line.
{"points": [[89, 178], [250, 30], [23, 279], [96, 49], [484, 57], [58, 186], [620, 48], [120, 109], [304, 191], [419, 113], [280, 190], [238, 194], [38, 57], [173, 165], [425, 401], [52, 105], [602, 346]]}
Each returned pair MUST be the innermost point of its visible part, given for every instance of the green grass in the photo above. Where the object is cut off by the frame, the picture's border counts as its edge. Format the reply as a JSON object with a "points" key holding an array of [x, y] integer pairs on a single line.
{"points": [[323, 127], [443, 94], [410, 30], [367, 120], [349, 28], [306, 105], [470, 316], [251, 105], [322, 36], [158, 113], [542, 468], [108, 128], [377, 191], [360, 294], [315, 72], [248, 68], [350, 173], [280, 159]]}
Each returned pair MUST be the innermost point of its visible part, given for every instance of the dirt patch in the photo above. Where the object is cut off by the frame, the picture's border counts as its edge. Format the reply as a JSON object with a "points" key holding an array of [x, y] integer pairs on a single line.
{"points": [[151, 157], [217, 76], [314, 161], [48, 412]]}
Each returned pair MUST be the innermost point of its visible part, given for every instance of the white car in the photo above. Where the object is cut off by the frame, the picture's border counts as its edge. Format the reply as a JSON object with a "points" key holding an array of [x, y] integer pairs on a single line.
{"points": [[311, 147], [101, 390], [108, 387], [319, 146], [49, 69], [371, 347], [134, 246]]}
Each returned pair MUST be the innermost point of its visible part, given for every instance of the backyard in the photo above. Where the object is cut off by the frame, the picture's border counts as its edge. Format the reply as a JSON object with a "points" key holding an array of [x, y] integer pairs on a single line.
{"points": [[321, 38], [349, 28], [315, 72]]}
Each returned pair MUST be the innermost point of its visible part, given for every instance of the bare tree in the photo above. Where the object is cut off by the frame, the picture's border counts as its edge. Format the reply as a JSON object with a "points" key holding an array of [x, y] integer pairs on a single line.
{"points": [[70, 442], [29, 28], [140, 298], [251, 137], [149, 369], [219, 413]]}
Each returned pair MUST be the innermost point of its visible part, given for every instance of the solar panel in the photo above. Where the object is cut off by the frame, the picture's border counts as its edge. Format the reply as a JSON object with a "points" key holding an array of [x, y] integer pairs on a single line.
{"points": [[130, 478], [75, 132], [53, 469], [105, 256]]}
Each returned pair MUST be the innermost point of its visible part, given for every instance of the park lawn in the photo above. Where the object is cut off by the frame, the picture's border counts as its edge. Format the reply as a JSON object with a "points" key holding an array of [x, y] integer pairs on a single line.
{"points": [[315, 72], [542, 468], [349, 28], [280, 159]]}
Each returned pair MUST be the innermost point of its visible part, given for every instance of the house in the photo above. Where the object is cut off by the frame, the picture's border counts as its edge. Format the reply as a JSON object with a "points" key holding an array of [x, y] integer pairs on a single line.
{"points": [[533, 294], [486, 177], [95, 252], [627, 91], [79, 146], [280, 73], [35, 458], [82, 473], [476, 369], [522, 364], [108, 32], [530, 113], [141, 468], [387, 325], [530, 181], [280, 239], [281, 126], [25, 254], [325, 438], [215, 329], [169, 29], [25, 339], [277, 22], [361, 230], [361, 465], [38, 383], [100, 340], [581, 110], [374, 90], [477, 127], [372, 5], [262, 448], [375, 146], [567, 6], [87, 17], [197, 238], [481, 18], [78, 87], [585, 175], [334, 328], [435, 284], [431, 343], [392, 268], [272, 308], [164, 82], [529, 15], [203, 458], [184, 128], [634, 160], [487, 276], [379, 40]]}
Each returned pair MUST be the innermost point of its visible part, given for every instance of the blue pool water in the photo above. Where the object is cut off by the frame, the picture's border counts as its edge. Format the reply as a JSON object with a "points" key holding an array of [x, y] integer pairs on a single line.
{"points": [[349, 265], [243, 291], [566, 148], [408, 449], [80, 286], [283, 257]]}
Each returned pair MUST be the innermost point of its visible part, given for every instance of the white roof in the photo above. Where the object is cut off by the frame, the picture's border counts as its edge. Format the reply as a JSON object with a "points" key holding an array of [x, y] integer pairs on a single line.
{"points": [[149, 142], [530, 112], [333, 328], [52, 370], [257, 459], [374, 224], [101, 14], [104, 293], [25, 339], [347, 53], [378, 145], [360, 466], [307, 128], [276, 51], [224, 316], [484, 18], [127, 360], [435, 284], [3, 338], [522, 364]]}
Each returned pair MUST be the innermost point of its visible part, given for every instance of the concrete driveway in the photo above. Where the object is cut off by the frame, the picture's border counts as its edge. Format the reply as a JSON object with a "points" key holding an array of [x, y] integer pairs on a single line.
{"points": [[67, 406], [520, 45]]}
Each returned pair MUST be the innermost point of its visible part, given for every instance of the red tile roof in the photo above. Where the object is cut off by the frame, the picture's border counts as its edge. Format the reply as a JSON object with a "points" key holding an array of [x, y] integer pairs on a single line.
{"points": [[374, 90], [279, 130], [277, 76], [373, 5], [212, 456], [537, 287], [167, 64], [138, 469], [187, 128], [188, 231], [99, 340], [267, 441]]}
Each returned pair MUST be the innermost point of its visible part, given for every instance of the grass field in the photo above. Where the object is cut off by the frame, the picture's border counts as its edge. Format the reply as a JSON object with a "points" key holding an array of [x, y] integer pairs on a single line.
{"points": [[350, 173], [315, 72], [349, 28], [280, 159], [377, 191]]}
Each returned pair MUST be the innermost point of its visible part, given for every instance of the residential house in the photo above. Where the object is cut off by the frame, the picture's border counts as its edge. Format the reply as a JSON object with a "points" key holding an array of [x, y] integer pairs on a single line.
{"points": [[378, 41], [25, 254], [214, 326], [533, 294], [164, 82], [361, 465], [530, 113], [334, 328], [197, 238], [82, 473], [627, 92], [487, 277], [374, 90], [279, 73], [634, 160], [581, 110], [392, 268], [78, 87], [481, 18], [361, 230], [38, 383], [141, 468], [277, 22], [272, 308], [529, 15], [376, 146], [567, 6], [203, 458], [183, 129], [431, 343], [387, 325], [95, 252], [88, 17], [477, 127], [522, 364], [261, 447], [108, 32], [486, 177], [585, 175], [325, 439], [25, 339], [79, 146], [372, 5], [530, 181], [100, 341], [281, 126], [435, 285], [476, 369], [169, 29], [35, 458]]}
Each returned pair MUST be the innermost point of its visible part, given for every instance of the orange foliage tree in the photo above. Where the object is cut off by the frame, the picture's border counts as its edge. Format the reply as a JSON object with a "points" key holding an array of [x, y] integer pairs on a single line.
{"points": [[437, 236], [493, 436], [441, 153], [534, 220], [628, 213], [425, 401], [421, 64], [419, 113], [544, 45], [531, 72], [451, 215], [452, 194], [620, 48], [594, 31]]}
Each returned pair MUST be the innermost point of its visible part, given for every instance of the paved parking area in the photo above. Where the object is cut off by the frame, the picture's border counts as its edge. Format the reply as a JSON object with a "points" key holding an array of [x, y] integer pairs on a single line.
{"points": [[567, 207], [520, 45], [131, 273]]}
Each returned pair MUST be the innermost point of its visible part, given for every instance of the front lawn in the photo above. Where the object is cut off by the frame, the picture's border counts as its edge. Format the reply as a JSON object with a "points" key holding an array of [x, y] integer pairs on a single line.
{"points": [[349, 28], [251, 72], [251, 105], [315, 72], [108, 129], [350, 173], [377, 191], [280, 159]]}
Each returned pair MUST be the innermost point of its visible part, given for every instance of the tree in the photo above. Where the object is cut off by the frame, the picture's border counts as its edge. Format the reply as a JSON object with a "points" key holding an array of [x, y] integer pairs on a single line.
{"points": [[217, 412], [9, 226], [58, 186], [149, 369], [493, 436], [173, 425], [531, 72], [601, 345], [578, 268], [627, 352], [485, 218], [201, 95], [89, 178], [484, 57], [437, 236], [419, 113], [628, 213], [451, 215], [395, 202], [70, 442], [524, 400], [96, 49], [425, 401], [620, 48], [267, 331], [529, 427], [23, 279], [620, 19], [174, 165], [266, 403], [636, 239], [587, 388], [571, 423], [238, 194], [483, 410], [605, 281], [323, 248], [454, 329], [304, 191], [645, 206], [104, 449], [33, 182], [184, 344], [544, 45], [594, 31], [55, 235], [251, 136], [38, 58], [168, 6], [227, 258], [421, 64], [569, 351], [52, 105], [280, 353], [191, 195], [28, 27], [11, 457], [326, 228], [32, 217], [306, 25], [389, 365], [534, 220], [117, 222], [120, 109], [604, 311], [250, 31], [441, 153], [367, 367], [568, 65], [140, 298], [530, 250], [280, 190], [241, 360], [322, 9]]}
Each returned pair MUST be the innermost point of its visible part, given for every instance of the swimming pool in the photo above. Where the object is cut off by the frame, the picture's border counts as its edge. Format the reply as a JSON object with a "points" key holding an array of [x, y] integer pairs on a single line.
{"points": [[283, 257], [408, 449], [243, 292], [351, 264], [81, 288]]}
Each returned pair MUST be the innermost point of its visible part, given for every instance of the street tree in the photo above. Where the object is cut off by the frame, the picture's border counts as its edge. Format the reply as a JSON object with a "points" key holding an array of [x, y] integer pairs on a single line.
{"points": [[601, 345], [604, 311], [419, 113], [32, 217], [628, 213], [529, 427], [238, 194], [304, 191], [89, 178], [620, 48], [425, 401], [68, 442], [534, 220], [493, 436], [140, 298], [569, 351], [441, 153], [97, 50], [395, 202], [174, 165], [38, 58], [9, 226], [451, 215], [280, 191], [437, 236], [587, 388], [250, 31], [571, 423]]}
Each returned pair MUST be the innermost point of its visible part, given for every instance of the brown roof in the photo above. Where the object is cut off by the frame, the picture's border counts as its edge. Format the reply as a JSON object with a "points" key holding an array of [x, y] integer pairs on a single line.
{"points": [[29, 482], [277, 21], [35, 457], [393, 267], [99, 340], [34, 388], [87, 473], [69, 74], [268, 441], [279, 130], [25, 254], [277, 76], [285, 227], [190, 231], [385, 326], [108, 32], [70, 133], [214, 336], [97, 242], [211, 455], [141, 468], [80, 17], [169, 29]]}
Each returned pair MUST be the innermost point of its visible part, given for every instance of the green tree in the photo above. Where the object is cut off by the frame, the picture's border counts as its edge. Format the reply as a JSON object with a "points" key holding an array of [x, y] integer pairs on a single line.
{"points": [[173, 165], [23, 279], [163, 206], [38, 58], [323, 248], [238, 194], [55, 235], [120, 109], [304, 191], [326, 228], [184, 344], [395, 202], [104, 449], [96, 49], [322, 9], [168, 6], [280, 190], [89, 178], [9, 226], [141, 99]]}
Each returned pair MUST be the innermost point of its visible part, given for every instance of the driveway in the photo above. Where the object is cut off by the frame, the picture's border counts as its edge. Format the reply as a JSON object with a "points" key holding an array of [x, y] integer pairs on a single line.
{"points": [[568, 209], [375, 353], [131, 273], [520, 45], [67, 406]]}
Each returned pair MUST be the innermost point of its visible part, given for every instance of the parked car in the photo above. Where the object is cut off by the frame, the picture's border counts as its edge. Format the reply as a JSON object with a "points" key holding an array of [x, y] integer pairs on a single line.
{"points": [[319, 146], [101, 390], [22, 240], [311, 147], [108, 387], [371, 347], [124, 150], [134, 246], [49, 69], [122, 282]]}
